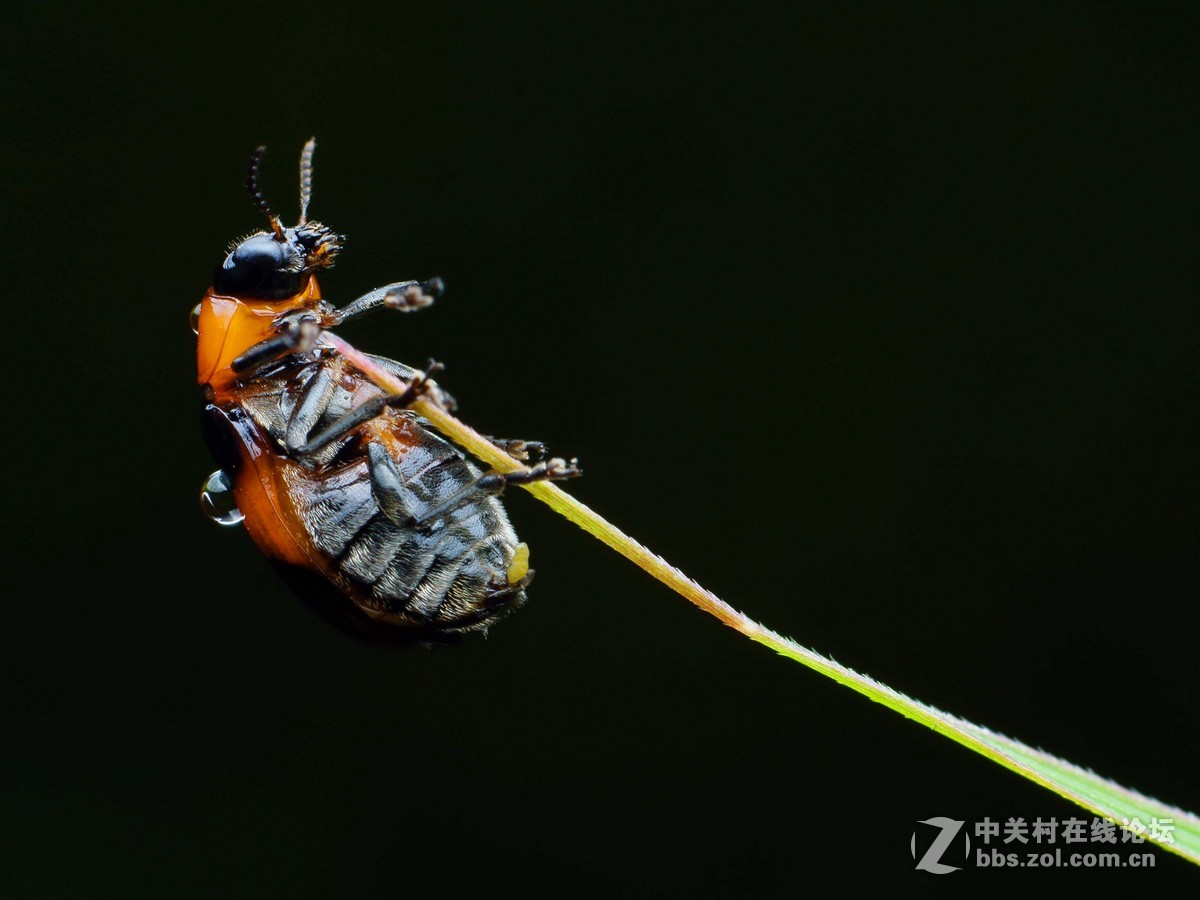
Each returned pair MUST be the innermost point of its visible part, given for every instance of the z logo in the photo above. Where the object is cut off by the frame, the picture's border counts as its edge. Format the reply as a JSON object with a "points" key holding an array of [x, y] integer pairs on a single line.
{"points": [[931, 861]]}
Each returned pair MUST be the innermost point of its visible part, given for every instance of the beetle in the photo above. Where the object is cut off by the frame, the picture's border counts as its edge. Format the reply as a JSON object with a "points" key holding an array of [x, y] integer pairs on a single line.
{"points": [[377, 520]]}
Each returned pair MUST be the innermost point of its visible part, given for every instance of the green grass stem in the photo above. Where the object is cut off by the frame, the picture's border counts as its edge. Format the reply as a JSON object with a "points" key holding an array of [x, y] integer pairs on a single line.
{"points": [[1082, 786]]}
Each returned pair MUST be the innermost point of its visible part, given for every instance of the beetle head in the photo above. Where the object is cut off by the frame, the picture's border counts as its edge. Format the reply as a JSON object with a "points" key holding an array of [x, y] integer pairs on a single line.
{"points": [[273, 265]]}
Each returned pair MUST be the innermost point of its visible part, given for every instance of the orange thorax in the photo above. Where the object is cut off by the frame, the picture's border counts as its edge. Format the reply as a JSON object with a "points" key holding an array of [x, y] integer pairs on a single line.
{"points": [[229, 326]]}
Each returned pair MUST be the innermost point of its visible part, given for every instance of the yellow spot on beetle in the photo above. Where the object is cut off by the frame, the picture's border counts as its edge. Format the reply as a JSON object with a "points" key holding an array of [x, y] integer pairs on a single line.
{"points": [[519, 567]]}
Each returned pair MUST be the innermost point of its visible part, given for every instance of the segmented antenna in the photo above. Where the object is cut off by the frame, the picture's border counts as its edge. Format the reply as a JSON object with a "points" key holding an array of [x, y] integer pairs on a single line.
{"points": [[306, 156], [256, 193]]}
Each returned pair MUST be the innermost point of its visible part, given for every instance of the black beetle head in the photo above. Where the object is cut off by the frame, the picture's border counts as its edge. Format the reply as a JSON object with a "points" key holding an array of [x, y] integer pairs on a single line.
{"points": [[273, 265], [266, 267]]}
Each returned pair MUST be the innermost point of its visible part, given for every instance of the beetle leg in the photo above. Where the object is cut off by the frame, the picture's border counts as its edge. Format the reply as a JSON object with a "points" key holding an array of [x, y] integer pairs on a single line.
{"points": [[393, 498], [296, 336], [518, 449], [366, 411], [399, 369], [493, 606], [314, 402], [405, 296], [435, 391], [494, 483]]}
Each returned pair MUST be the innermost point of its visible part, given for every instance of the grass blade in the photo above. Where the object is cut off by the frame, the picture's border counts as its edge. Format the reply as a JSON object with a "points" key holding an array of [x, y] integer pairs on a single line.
{"points": [[1091, 791]]}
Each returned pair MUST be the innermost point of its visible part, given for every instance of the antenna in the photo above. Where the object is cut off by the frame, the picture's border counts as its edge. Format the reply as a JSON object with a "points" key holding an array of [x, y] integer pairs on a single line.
{"points": [[306, 156], [256, 193]]}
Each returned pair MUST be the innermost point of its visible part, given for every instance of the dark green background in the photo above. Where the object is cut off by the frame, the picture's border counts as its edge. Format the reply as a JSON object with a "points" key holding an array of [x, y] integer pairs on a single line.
{"points": [[878, 320]]}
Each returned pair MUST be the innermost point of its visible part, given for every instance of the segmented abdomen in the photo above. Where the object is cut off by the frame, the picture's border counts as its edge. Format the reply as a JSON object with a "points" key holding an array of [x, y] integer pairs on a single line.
{"points": [[441, 575]]}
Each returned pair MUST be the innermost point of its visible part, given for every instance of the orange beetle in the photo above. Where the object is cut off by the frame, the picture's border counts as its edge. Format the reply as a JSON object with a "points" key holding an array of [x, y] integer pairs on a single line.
{"points": [[381, 523]]}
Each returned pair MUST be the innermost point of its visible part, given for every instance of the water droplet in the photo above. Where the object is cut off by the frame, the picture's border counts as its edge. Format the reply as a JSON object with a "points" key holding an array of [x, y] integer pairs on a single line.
{"points": [[195, 319], [216, 499]]}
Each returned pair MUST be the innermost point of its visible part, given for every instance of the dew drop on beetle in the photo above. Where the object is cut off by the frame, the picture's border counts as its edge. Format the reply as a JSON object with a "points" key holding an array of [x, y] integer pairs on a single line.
{"points": [[216, 499]]}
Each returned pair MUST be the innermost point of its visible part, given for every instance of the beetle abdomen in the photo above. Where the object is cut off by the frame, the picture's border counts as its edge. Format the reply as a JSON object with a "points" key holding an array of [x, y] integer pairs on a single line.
{"points": [[444, 573]]}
